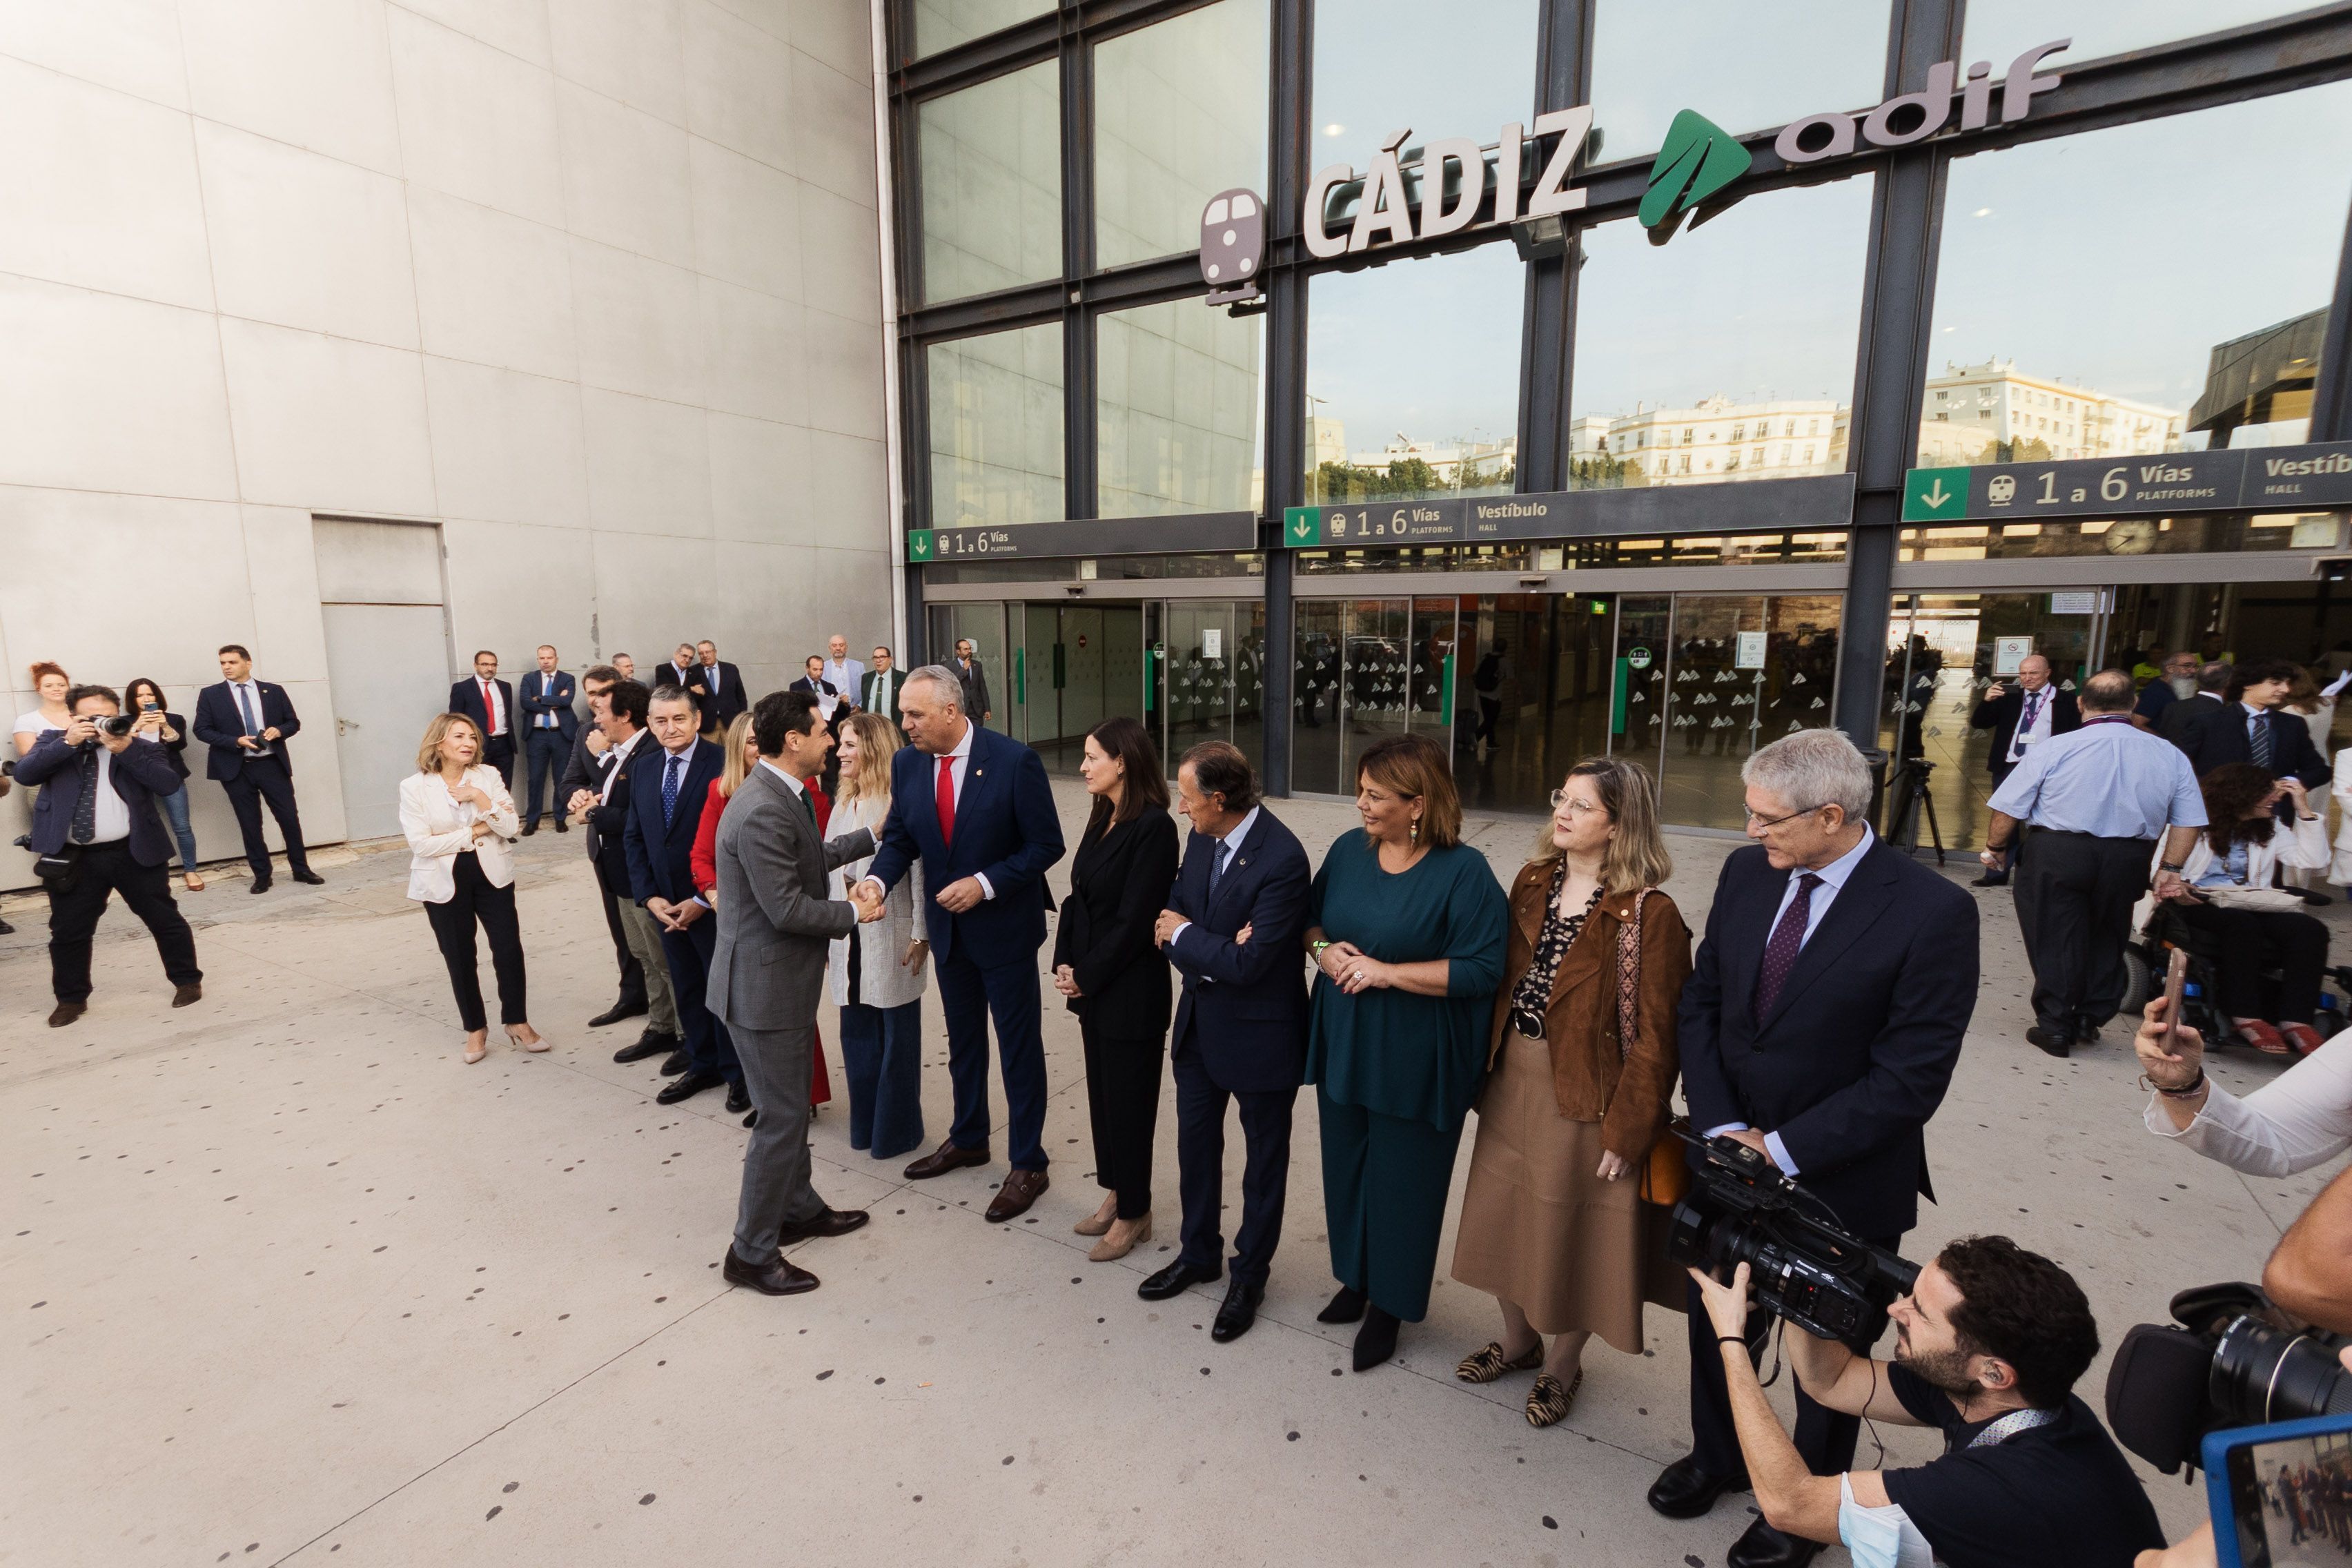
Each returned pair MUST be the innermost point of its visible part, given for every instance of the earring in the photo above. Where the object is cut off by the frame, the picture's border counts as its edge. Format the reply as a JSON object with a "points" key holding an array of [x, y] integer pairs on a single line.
{"points": [[1416, 830]]}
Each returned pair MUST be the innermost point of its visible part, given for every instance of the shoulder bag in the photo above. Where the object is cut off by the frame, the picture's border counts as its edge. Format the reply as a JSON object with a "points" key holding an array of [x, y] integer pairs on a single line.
{"points": [[1666, 1177]]}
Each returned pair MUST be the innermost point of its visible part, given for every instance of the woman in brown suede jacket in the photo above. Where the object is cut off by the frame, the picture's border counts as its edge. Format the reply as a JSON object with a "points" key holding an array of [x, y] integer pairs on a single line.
{"points": [[1553, 1221]]}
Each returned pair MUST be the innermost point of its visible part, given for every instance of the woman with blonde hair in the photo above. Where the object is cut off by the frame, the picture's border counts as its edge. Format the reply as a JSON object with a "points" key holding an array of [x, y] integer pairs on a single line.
{"points": [[1582, 1064], [877, 971], [461, 823], [743, 756]]}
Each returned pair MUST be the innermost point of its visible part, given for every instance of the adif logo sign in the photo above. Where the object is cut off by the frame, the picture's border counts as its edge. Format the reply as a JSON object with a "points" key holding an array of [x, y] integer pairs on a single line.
{"points": [[1915, 116]]}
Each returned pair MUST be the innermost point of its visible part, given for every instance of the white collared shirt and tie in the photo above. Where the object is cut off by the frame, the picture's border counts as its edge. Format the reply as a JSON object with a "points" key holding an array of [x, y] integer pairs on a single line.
{"points": [[958, 761], [497, 716], [1227, 848], [1832, 880], [245, 695], [111, 821], [2033, 722], [616, 757], [547, 720]]}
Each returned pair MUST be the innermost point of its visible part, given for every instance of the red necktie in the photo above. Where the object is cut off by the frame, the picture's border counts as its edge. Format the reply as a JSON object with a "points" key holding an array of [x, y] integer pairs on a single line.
{"points": [[490, 706], [947, 801]]}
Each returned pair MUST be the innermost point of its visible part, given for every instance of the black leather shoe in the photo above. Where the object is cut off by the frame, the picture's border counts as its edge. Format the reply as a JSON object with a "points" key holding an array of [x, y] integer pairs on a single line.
{"points": [[652, 1043], [618, 1011], [561, 825], [677, 1062], [831, 1222], [528, 828], [739, 1100], [1991, 880], [943, 1159], [687, 1086], [1345, 1308], [2049, 1042], [7, 930], [1761, 1546], [2086, 1031], [64, 1012], [308, 878], [1685, 1490], [777, 1278], [261, 885], [1240, 1310], [1376, 1340], [1176, 1278]]}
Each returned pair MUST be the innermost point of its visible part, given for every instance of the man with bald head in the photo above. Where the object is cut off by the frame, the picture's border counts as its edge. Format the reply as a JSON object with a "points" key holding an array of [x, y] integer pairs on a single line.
{"points": [[2020, 716]]}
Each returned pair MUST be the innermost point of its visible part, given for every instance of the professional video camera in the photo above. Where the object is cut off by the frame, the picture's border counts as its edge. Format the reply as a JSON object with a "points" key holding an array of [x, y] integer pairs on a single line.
{"points": [[1802, 1264], [2229, 1363]]}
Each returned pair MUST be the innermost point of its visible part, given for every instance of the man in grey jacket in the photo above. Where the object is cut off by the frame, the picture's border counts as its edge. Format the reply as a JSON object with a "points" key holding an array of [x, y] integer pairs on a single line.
{"points": [[767, 975]]}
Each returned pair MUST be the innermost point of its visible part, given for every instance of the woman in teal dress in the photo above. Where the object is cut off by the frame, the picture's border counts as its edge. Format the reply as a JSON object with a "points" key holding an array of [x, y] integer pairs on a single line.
{"points": [[1407, 924]]}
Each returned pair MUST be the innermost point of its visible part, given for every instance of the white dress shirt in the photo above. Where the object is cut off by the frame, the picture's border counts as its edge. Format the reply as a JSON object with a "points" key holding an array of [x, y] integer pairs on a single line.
{"points": [[1834, 878], [2038, 704], [845, 674], [798, 788], [113, 819], [499, 717], [619, 754], [1227, 848]]}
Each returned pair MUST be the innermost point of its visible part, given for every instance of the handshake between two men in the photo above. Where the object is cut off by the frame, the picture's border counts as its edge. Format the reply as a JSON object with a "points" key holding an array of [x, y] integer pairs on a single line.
{"points": [[964, 893]]}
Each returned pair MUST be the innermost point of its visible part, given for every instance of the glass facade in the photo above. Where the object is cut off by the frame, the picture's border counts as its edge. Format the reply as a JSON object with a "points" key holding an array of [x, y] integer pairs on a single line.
{"points": [[2055, 335], [1746, 68], [1177, 418], [991, 180], [2000, 30], [943, 23], [1180, 114], [1382, 66], [1726, 355], [996, 428]]}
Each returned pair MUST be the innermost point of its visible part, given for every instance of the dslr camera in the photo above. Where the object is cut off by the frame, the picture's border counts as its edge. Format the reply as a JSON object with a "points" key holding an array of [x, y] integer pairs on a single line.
{"points": [[2226, 1360], [115, 724], [1803, 1265]]}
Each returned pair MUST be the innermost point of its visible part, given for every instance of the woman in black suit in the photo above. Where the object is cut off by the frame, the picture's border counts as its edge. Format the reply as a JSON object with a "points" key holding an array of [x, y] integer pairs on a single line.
{"points": [[1115, 980], [145, 698]]}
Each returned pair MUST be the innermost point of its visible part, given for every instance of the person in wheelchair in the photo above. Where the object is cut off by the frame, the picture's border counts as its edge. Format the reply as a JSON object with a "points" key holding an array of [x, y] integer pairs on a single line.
{"points": [[2227, 896]]}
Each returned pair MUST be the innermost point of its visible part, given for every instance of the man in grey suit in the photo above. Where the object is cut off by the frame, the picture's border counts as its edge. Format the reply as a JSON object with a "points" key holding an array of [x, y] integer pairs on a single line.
{"points": [[766, 976]]}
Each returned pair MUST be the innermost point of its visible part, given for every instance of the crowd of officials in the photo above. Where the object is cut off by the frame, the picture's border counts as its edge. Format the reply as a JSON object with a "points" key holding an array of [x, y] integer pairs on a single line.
{"points": [[863, 835]]}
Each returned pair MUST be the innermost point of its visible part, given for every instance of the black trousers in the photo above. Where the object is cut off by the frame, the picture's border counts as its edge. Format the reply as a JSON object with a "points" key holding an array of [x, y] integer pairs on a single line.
{"points": [[633, 974], [549, 751], [1123, 1110], [453, 928], [2074, 899], [261, 779], [1200, 1167], [74, 910], [2249, 941], [498, 751], [1825, 1439]]}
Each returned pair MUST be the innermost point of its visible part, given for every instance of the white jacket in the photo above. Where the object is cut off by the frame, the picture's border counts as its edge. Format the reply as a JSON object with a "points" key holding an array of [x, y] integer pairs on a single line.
{"points": [[440, 830], [2341, 871], [2306, 846]]}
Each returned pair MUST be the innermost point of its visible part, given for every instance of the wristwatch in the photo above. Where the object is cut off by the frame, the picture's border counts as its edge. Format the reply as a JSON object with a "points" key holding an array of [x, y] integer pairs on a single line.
{"points": [[2172, 866]]}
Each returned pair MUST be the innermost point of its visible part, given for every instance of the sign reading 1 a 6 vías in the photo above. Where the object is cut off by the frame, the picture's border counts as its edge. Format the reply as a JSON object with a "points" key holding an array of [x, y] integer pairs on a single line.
{"points": [[2247, 479]]}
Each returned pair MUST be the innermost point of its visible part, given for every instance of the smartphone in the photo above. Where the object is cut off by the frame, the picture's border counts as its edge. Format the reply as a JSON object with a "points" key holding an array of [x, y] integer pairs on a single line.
{"points": [[2176, 976], [2277, 1493]]}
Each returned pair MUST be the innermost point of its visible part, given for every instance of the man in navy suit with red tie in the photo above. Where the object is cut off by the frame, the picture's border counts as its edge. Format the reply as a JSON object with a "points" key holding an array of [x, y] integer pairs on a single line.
{"points": [[1819, 1027], [489, 703], [975, 806]]}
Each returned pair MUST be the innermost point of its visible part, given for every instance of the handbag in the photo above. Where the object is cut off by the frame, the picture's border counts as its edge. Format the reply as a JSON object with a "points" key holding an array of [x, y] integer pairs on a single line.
{"points": [[1666, 1176], [2270, 901]]}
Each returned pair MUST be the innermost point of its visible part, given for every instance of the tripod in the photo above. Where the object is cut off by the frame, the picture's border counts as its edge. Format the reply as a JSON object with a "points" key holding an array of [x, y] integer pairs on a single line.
{"points": [[1910, 797]]}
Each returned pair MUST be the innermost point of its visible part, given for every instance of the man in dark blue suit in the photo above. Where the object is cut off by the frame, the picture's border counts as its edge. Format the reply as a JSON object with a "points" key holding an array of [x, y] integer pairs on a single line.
{"points": [[1820, 1026], [244, 724], [489, 703], [975, 806], [1241, 1024], [666, 789], [549, 725], [96, 814]]}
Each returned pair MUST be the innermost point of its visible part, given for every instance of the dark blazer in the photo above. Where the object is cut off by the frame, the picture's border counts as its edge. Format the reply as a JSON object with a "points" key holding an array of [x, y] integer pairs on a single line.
{"points": [[820, 689], [661, 860], [973, 678], [543, 693], [872, 678], [1861, 1043], [1118, 884], [2001, 715], [218, 724], [1244, 1008], [466, 697], [719, 710], [2217, 734], [139, 774], [608, 823], [1006, 829]]}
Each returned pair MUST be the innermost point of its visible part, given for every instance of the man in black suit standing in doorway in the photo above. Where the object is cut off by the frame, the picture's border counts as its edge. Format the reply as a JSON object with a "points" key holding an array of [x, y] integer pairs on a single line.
{"points": [[718, 690], [489, 703], [245, 724], [2020, 717], [1820, 1027], [547, 694]]}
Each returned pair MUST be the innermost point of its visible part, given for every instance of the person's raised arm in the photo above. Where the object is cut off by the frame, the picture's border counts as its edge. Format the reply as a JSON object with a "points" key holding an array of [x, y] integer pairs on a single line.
{"points": [[895, 848], [2310, 1273]]}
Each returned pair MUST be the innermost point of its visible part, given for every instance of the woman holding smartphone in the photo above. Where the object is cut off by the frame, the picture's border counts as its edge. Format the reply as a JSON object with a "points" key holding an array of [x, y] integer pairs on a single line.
{"points": [[168, 730]]}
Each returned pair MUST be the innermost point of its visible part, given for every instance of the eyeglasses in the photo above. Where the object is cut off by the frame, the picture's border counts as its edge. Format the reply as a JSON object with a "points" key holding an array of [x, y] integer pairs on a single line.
{"points": [[1575, 807], [1755, 821]]}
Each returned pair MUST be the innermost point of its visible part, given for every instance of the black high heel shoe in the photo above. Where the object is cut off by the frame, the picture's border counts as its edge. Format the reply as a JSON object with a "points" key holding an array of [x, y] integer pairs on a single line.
{"points": [[1345, 1308], [1376, 1341]]}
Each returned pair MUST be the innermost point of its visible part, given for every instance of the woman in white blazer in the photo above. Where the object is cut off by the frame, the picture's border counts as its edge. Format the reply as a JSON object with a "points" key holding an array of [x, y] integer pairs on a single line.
{"points": [[877, 969], [460, 824]]}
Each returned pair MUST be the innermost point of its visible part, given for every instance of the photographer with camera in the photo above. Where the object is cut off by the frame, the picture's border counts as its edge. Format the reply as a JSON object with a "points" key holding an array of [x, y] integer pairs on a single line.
{"points": [[1988, 1344], [96, 831]]}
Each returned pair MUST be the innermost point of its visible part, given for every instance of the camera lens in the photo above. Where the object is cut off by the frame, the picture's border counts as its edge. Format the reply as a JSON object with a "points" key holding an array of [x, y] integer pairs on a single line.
{"points": [[2260, 1374]]}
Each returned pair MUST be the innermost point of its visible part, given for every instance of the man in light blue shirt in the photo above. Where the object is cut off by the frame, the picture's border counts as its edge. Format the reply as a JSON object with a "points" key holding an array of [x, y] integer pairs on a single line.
{"points": [[2095, 803]]}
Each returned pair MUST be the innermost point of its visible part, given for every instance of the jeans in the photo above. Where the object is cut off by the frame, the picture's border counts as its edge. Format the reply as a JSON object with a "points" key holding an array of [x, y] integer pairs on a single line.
{"points": [[176, 812]]}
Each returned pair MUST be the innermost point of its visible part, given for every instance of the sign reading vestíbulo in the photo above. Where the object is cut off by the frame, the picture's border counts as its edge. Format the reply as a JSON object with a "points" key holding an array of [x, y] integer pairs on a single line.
{"points": [[2248, 479], [1213, 532], [1820, 500]]}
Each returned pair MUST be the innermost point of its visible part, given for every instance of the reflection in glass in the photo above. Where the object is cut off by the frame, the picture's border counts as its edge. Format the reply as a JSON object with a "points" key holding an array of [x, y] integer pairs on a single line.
{"points": [[1413, 379], [996, 428], [1180, 114], [1727, 695], [1585, 554], [2105, 355], [1998, 31], [992, 182], [1727, 353], [1177, 412], [1384, 65], [1746, 68], [943, 23], [2130, 536]]}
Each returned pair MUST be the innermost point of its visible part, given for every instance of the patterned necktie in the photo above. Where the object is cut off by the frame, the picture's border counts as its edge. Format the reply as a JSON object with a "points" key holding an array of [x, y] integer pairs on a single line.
{"points": [[2258, 737], [85, 817], [1780, 953], [946, 800], [669, 788], [252, 725]]}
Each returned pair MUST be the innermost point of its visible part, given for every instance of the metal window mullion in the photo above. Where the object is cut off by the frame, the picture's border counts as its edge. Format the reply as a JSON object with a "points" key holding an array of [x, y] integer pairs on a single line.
{"points": [[1290, 49], [1563, 77], [1078, 411]]}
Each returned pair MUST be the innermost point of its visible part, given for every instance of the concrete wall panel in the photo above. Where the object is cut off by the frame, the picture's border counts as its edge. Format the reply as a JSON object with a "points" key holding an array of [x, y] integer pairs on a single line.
{"points": [[326, 422]]}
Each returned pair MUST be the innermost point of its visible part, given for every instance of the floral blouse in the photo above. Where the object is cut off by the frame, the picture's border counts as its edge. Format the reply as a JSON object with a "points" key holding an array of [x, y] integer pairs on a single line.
{"points": [[1533, 993]]}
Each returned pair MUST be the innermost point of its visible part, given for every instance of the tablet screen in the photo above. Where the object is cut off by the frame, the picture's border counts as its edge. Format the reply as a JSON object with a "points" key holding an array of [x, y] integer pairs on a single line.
{"points": [[2293, 1501]]}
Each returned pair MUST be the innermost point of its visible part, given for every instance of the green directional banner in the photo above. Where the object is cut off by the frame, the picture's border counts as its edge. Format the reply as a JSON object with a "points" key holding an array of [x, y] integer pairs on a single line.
{"points": [[918, 545], [1299, 527], [1932, 495]]}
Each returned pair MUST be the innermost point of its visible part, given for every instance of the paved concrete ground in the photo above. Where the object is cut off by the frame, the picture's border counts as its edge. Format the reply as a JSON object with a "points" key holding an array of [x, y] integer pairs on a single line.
{"points": [[291, 1283]]}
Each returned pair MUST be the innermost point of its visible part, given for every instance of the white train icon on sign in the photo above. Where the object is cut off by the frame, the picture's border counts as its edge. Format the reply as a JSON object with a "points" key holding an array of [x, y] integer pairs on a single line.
{"points": [[1233, 246]]}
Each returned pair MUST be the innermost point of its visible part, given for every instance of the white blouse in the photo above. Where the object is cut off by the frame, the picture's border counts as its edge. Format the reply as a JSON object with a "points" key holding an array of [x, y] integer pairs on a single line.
{"points": [[439, 829]]}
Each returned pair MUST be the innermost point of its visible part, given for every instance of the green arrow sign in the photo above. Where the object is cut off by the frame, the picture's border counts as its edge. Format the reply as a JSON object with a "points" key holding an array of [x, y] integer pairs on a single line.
{"points": [[1299, 528], [918, 545], [1930, 494]]}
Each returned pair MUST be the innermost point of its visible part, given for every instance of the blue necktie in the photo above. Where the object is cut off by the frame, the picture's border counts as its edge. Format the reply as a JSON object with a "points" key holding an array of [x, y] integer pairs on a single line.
{"points": [[669, 788], [2258, 740], [244, 702], [1217, 868]]}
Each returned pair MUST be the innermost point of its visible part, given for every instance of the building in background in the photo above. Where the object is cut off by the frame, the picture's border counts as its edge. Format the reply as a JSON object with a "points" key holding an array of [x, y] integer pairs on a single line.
{"points": [[1991, 413]]}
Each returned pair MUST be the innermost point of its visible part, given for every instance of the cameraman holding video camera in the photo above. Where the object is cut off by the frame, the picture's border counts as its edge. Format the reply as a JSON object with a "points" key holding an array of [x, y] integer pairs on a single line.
{"points": [[96, 832], [1988, 1344]]}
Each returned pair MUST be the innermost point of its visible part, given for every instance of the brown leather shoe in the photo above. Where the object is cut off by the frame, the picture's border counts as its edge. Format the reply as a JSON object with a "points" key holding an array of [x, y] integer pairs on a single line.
{"points": [[943, 1159], [192, 991], [828, 1222], [778, 1278], [1021, 1189], [66, 1013]]}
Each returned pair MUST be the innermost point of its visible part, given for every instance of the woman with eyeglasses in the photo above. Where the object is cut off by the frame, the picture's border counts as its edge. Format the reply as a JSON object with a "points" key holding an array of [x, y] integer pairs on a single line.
{"points": [[1407, 925], [1581, 1065]]}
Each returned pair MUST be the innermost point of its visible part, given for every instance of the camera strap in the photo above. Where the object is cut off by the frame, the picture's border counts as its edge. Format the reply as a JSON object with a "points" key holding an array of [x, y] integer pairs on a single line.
{"points": [[2001, 1430]]}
